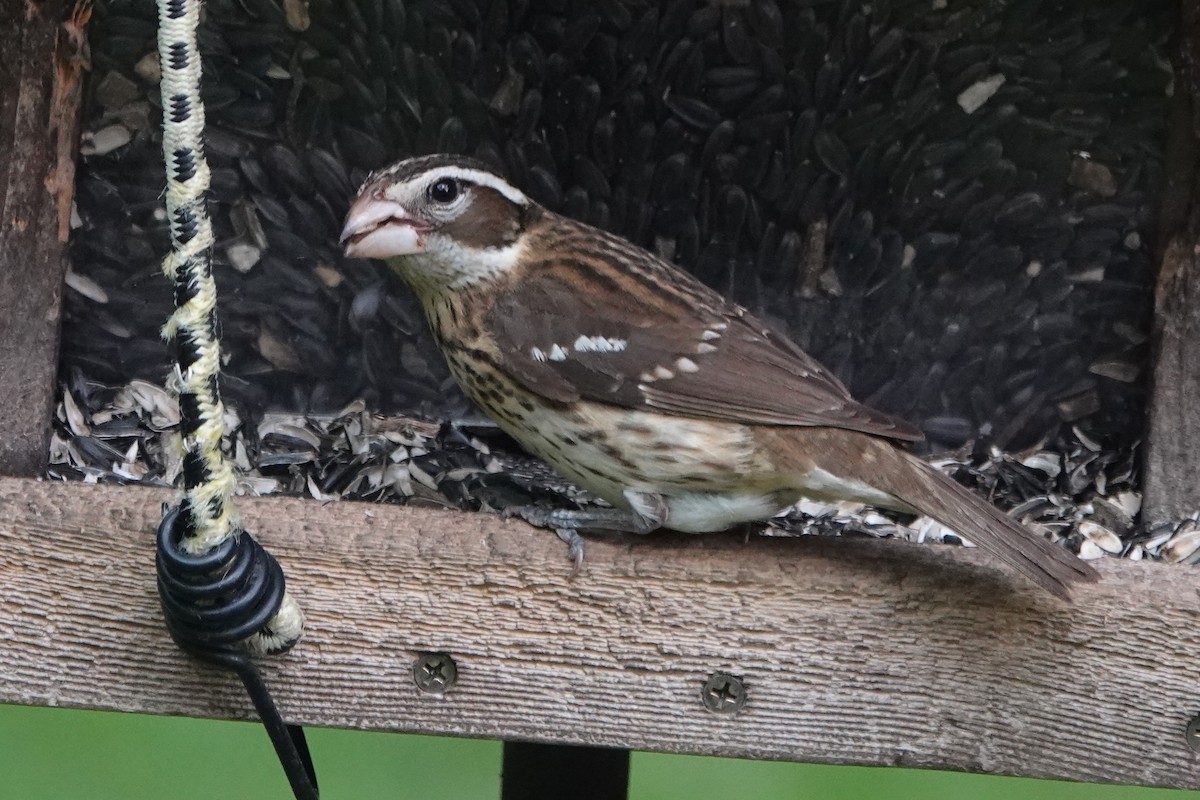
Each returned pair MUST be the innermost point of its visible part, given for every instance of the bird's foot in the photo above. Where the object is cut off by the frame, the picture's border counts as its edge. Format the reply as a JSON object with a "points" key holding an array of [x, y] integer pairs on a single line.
{"points": [[599, 519], [568, 522]]}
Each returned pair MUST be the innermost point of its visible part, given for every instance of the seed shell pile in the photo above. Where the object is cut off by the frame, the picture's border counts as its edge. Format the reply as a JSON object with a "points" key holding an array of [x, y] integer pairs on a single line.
{"points": [[1073, 489]]}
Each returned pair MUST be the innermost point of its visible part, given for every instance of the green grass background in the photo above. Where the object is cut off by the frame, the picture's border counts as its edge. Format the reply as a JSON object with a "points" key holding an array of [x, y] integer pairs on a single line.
{"points": [[48, 754]]}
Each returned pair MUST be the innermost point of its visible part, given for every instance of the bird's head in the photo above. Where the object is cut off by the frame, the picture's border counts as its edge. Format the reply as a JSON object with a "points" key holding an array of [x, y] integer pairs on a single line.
{"points": [[443, 221]]}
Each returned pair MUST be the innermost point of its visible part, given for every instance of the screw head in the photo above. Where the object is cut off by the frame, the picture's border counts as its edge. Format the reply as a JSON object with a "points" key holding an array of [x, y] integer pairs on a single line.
{"points": [[435, 673], [1192, 734], [723, 693]]}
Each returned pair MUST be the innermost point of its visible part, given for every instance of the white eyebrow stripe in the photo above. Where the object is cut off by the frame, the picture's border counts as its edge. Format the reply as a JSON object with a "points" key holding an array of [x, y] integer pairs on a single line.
{"points": [[599, 344], [483, 179]]}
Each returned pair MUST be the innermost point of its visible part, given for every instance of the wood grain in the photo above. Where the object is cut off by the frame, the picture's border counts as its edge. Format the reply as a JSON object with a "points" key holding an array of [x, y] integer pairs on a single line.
{"points": [[853, 651], [1172, 461], [32, 261], [1172, 448]]}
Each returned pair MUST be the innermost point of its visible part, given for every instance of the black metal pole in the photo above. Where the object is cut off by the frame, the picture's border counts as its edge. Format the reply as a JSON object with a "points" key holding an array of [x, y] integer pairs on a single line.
{"points": [[555, 772]]}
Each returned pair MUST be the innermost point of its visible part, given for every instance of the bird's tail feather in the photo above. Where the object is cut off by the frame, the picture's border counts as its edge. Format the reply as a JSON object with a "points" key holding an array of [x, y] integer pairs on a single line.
{"points": [[935, 494], [867, 461]]}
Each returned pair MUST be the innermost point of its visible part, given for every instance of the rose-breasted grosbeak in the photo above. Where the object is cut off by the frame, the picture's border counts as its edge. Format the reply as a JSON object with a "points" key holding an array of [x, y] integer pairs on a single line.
{"points": [[638, 382]]}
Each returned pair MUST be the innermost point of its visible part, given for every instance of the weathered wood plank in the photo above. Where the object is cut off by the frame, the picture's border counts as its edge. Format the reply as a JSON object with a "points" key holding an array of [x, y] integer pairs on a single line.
{"points": [[39, 100], [1172, 460], [1172, 464], [853, 651]]}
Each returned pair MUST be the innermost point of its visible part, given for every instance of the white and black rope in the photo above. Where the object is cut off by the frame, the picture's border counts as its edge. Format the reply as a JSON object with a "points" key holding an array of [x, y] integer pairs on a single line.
{"points": [[208, 476], [223, 596]]}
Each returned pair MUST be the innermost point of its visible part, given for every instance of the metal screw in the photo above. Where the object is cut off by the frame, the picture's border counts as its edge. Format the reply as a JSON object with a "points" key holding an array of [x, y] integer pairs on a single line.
{"points": [[723, 693], [435, 672], [1193, 734]]}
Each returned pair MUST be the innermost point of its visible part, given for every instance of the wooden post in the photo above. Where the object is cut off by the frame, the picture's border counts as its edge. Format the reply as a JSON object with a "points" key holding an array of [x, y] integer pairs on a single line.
{"points": [[535, 771], [42, 59], [1172, 462]]}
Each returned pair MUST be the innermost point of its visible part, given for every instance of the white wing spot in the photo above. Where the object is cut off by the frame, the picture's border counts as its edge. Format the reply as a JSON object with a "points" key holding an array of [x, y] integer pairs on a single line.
{"points": [[686, 365], [708, 336], [664, 373], [646, 377], [705, 347], [599, 344], [557, 353], [537, 353]]}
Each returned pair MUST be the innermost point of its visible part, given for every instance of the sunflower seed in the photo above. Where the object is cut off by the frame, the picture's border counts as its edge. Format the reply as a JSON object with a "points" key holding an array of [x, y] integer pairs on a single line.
{"points": [[974, 96], [105, 140]]}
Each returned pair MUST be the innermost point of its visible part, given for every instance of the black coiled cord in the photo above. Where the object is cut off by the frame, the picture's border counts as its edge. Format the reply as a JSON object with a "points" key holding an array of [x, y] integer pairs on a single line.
{"points": [[213, 601]]}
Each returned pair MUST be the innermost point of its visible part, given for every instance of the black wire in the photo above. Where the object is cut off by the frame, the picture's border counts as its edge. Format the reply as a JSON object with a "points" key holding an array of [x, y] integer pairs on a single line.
{"points": [[213, 601], [289, 741]]}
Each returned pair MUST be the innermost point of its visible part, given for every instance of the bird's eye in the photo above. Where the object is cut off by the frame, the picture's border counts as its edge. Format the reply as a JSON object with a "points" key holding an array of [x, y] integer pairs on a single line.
{"points": [[443, 190]]}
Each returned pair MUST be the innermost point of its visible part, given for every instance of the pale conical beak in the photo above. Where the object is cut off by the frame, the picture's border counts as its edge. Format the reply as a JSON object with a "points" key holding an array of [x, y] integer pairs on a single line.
{"points": [[380, 228]]}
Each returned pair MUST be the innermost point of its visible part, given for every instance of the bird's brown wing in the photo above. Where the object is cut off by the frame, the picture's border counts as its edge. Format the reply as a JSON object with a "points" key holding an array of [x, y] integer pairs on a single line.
{"points": [[568, 332]]}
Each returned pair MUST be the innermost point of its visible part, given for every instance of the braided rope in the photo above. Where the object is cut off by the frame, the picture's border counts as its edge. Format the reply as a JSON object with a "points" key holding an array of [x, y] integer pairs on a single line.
{"points": [[208, 476]]}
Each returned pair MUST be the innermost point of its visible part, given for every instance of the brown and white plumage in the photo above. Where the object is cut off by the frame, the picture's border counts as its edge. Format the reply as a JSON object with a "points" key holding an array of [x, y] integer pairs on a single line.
{"points": [[640, 383]]}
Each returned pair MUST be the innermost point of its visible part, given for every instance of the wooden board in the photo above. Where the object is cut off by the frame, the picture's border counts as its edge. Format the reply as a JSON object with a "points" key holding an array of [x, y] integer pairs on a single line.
{"points": [[852, 651], [1171, 467], [39, 101], [1172, 463]]}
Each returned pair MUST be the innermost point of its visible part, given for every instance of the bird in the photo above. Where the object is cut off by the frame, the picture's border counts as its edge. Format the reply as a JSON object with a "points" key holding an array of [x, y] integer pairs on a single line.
{"points": [[641, 384]]}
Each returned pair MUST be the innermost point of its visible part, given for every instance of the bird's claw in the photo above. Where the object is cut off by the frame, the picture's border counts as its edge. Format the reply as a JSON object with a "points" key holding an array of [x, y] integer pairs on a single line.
{"points": [[541, 517], [574, 547], [537, 516]]}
